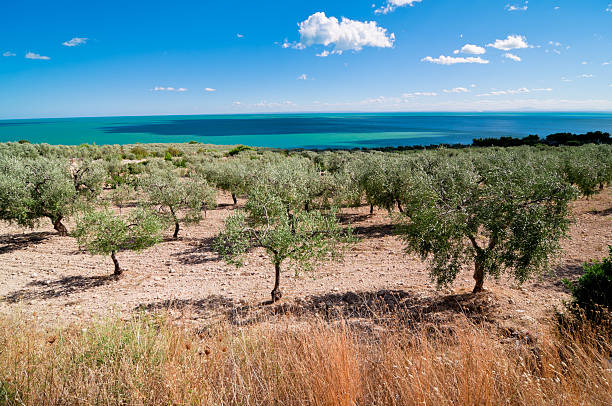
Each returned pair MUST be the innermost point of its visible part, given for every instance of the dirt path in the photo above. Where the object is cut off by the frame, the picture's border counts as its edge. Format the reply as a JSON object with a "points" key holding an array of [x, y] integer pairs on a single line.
{"points": [[47, 277]]}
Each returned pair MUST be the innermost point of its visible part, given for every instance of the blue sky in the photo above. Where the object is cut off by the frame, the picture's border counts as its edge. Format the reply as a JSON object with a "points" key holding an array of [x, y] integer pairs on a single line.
{"points": [[67, 58]]}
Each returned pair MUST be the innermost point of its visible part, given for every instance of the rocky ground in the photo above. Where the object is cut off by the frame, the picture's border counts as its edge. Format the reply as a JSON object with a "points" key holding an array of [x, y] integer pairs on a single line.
{"points": [[47, 277]]}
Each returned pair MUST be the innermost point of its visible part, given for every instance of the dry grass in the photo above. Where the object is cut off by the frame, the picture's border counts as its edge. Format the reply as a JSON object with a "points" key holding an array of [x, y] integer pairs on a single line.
{"points": [[148, 361]]}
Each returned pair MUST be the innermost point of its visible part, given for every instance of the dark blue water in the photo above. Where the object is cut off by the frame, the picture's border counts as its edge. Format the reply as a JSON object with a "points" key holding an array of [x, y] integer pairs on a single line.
{"points": [[303, 130]]}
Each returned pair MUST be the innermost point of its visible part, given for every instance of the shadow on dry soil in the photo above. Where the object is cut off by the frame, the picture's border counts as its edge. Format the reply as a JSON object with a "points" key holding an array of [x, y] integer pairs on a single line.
{"points": [[16, 242], [379, 307], [41, 290]]}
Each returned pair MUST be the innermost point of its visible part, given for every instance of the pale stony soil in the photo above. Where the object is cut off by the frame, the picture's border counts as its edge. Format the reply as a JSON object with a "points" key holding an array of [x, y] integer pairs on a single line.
{"points": [[46, 277]]}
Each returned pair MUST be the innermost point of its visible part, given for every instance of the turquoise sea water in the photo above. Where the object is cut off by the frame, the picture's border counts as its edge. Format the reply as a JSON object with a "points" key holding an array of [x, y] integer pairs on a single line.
{"points": [[349, 130]]}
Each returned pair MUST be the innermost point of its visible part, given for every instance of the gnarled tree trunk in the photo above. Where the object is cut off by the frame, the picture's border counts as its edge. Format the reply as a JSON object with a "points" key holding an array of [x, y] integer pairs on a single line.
{"points": [[118, 270], [234, 198], [276, 292], [59, 227], [371, 208], [479, 274]]}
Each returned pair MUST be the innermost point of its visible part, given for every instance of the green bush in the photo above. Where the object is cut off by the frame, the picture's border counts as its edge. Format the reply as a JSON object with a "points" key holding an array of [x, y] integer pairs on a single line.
{"points": [[593, 290], [139, 152], [239, 149]]}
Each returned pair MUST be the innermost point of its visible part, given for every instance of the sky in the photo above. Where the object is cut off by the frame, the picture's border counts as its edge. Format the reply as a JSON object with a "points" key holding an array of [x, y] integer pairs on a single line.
{"points": [[116, 58]]}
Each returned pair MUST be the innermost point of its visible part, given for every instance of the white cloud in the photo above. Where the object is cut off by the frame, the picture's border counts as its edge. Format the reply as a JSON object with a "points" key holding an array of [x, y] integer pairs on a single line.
{"points": [[269, 105], [323, 54], [451, 60], [168, 89], [609, 8], [472, 49], [210, 89], [75, 41], [607, 63], [522, 90], [511, 7], [303, 76], [32, 55], [564, 79], [418, 94], [237, 103], [393, 4], [9, 53], [586, 76], [512, 42], [456, 90], [515, 58], [344, 35], [239, 36], [557, 7]]}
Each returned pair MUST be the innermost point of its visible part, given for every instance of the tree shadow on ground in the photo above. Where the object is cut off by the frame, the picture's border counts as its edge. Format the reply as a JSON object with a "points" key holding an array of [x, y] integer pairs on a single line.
{"points": [[602, 213], [373, 231], [42, 290], [383, 307], [554, 279], [16, 242], [346, 218], [200, 252]]}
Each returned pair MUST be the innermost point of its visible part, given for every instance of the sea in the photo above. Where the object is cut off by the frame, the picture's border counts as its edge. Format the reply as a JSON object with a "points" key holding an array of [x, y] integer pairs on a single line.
{"points": [[309, 131]]}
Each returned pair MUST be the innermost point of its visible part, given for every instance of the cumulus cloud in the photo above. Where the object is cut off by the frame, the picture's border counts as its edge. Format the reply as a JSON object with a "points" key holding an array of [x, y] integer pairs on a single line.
{"points": [[239, 36], [522, 90], [515, 58], [32, 55], [393, 4], [9, 53], [303, 76], [456, 90], [451, 60], [512, 7], [609, 8], [343, 34], [209, 89], [75, 41], [512, 42], [323, 54], [586, 76], [168, 89], [472, 49]]}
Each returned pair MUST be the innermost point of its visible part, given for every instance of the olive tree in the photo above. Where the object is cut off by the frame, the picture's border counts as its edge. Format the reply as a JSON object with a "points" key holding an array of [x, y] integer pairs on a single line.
{"points": [[105, 233], [588, 167], [31, 189], [500, 211], [179, 200], [301, 236]]}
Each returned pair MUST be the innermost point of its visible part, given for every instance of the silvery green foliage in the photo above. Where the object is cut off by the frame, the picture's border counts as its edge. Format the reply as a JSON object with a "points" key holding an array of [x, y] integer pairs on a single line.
{"points": [[31, 189], [105, 233], [178, 200], [229, 174], [88, 177], [503, 210], [301, 236], [589, 167]]}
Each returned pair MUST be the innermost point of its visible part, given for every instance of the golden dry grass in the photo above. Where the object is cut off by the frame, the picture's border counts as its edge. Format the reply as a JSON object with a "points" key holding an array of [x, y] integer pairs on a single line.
{"points": [[148, 361]]}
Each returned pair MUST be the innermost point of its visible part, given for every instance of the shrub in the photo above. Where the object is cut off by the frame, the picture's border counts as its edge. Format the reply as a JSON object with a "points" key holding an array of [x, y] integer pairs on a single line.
{"points": [[592, 292], [139, 152], [238, 149]]}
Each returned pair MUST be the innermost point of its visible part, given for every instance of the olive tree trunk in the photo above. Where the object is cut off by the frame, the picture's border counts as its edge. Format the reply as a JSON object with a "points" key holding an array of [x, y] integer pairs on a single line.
{"points": [[59, 227], [176, 230], [276, 292], [371, 208], [118, 270], [234, 198], [479, 274]]}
